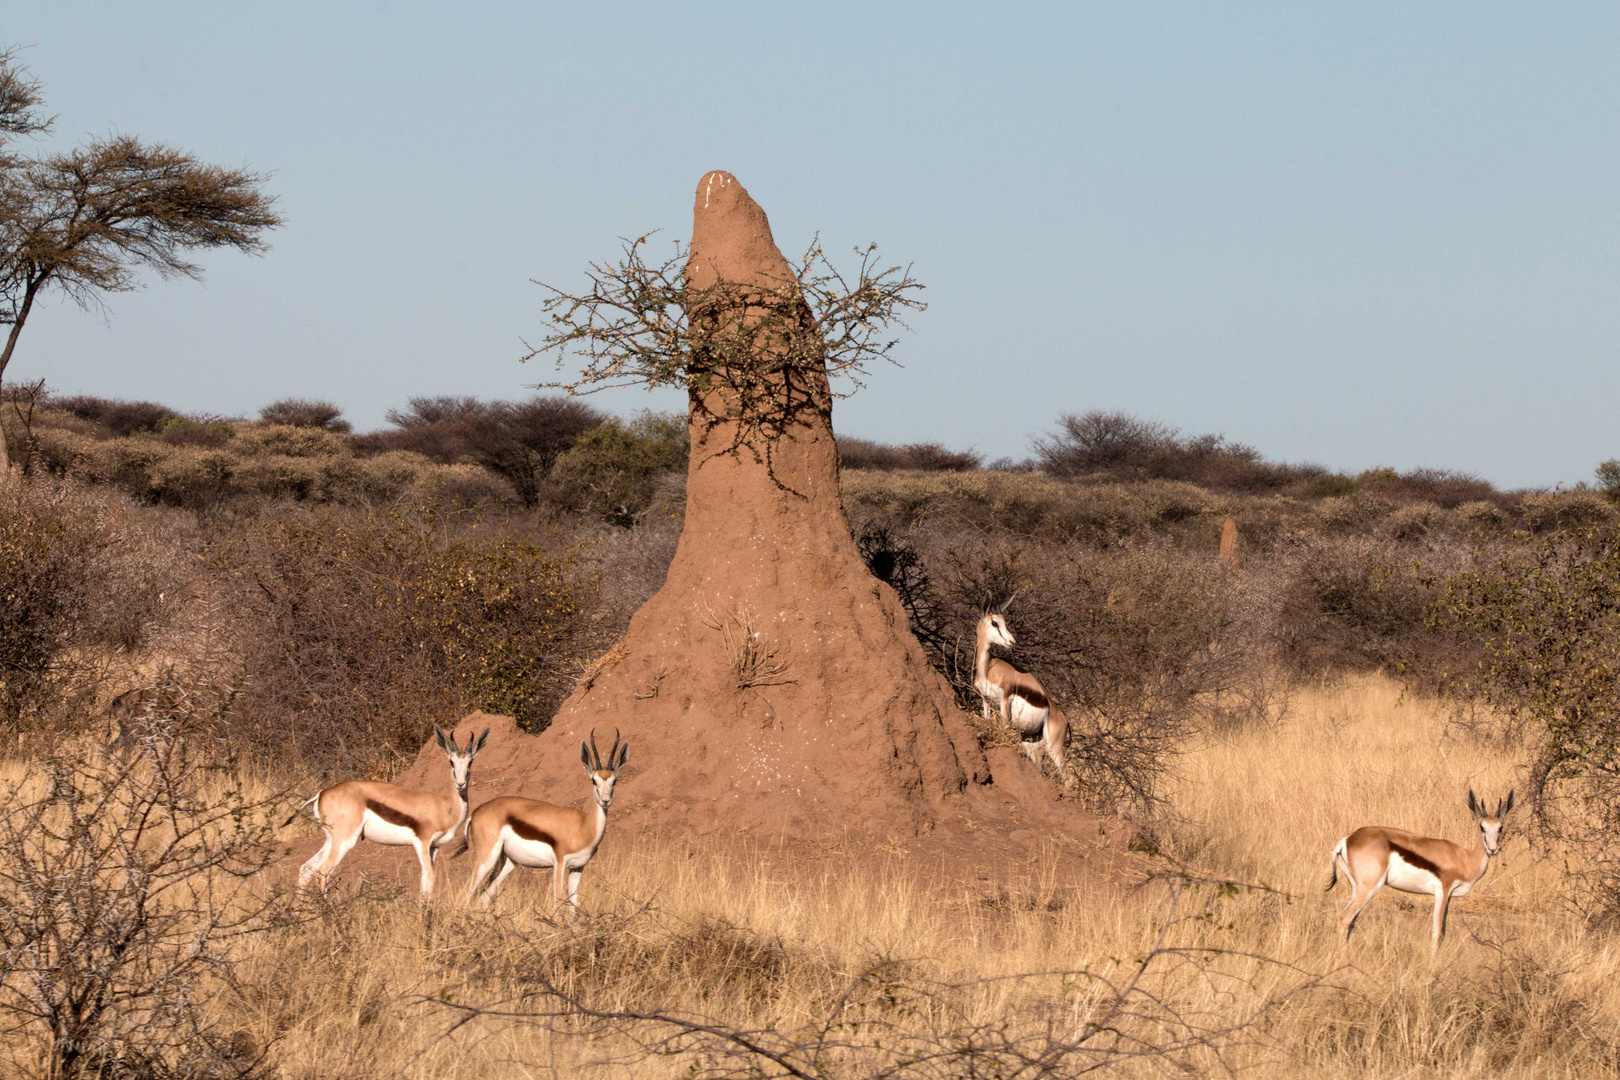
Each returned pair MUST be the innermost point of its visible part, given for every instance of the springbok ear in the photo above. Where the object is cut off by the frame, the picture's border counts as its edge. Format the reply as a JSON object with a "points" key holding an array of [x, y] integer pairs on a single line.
{"points": [[1473, 804], [482, 739], [1506, 808], [584, 754], [624, 752], [439, 737]]}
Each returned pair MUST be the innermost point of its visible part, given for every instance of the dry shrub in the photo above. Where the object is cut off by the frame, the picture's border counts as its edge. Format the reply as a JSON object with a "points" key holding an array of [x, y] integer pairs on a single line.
{"points": [[1544, 625], [1546, 512], [1139, 646], [303, 412], [1414, 521], [1443, 487], [613, 471], [125, 887], [927, 457], [1352, 513], [75, 584], [1355, 603], [359, 630], [517, 440], [116, 419], [1483, 515], [1122, 447]]}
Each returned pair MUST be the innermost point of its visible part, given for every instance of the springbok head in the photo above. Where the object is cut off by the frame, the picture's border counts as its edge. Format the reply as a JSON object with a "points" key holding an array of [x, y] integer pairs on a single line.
{"points": [[1490, 825], [994, 622], [603, 775], [461, 757]]}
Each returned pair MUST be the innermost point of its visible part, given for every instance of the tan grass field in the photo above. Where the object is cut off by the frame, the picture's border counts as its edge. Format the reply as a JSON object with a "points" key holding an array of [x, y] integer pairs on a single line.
{"points": [[768, 940], [772, 940]]}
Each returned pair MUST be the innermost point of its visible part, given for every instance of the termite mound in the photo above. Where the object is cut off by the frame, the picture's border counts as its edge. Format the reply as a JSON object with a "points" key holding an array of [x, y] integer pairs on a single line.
{"points": [[772, 687]]}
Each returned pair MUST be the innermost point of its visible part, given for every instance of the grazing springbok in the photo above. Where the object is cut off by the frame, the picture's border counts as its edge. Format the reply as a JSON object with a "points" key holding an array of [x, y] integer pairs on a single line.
{"points": [[510, 831], [358, 810], [1018, 695], [1374, 856]]}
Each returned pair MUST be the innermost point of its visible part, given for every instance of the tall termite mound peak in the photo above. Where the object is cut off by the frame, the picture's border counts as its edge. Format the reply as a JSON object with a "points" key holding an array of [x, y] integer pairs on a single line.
{"points": [[772, 684]]}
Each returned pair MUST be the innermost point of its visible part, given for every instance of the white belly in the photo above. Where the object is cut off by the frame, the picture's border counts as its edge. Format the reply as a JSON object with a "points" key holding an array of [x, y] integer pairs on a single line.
{"points": [[379, 831], [1408, 878], [1026, 717], [527, 852]]}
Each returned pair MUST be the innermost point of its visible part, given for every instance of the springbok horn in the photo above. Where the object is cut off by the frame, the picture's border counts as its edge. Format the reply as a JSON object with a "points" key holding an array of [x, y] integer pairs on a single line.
{"points": [[615, 749], [596, 754]]}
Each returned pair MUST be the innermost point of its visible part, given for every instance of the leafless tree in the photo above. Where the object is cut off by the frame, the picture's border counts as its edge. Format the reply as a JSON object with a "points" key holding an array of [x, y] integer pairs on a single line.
{"points": [[86, 222], [124, 883]]}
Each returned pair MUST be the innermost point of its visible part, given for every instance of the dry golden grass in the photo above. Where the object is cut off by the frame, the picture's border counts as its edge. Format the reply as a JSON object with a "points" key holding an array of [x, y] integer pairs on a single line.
{"points": [[770, 939]]}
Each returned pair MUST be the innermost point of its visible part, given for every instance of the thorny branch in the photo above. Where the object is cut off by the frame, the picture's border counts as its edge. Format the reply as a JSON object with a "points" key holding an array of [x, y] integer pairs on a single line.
{"points": [[753, 355]]}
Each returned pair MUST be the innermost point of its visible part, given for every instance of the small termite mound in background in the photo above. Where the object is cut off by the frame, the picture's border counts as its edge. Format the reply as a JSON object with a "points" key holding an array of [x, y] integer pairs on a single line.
{"points": [[1231, 553]]}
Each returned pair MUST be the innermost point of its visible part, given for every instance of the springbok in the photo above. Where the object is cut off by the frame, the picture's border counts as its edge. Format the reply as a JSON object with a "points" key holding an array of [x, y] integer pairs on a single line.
{"points": [[358, 810], [510, 831], [1374, 856], [1017, 695]]}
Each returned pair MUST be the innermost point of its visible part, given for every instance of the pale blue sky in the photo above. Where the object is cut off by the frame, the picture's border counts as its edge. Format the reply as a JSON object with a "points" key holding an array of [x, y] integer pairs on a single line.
{"points": [[1386, 235]]}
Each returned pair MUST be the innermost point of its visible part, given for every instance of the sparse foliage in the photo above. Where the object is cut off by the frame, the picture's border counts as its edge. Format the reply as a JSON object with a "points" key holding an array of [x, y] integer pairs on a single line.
{"points": [[746, 353], [125, 886]]}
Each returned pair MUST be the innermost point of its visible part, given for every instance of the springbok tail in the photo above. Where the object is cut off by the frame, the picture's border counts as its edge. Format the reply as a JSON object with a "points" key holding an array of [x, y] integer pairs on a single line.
{"points": [[300, 807], [1333, 863]]}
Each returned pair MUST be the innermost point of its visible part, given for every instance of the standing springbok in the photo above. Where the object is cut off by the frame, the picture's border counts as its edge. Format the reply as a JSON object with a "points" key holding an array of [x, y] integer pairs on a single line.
{"points": [[358, 810], [511, 831], [1018, 695], [1374, 856]]}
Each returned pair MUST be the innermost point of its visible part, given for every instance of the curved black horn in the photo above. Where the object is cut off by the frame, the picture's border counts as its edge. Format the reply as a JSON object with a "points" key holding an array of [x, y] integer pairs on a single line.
{"points": [[613, 752], [595, 753]]}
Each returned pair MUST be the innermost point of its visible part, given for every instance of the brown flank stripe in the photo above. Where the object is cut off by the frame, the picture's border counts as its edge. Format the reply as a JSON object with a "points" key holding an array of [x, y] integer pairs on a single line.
{"points": [[1415, 859], [528, 832], [392, 816], [1031, 695]]}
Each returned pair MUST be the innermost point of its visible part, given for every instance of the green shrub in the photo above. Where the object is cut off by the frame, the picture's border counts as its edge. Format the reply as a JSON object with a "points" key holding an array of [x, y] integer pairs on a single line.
{"points": [[1329, 485], [1608, 478], [1544, 621], [611, 471]]}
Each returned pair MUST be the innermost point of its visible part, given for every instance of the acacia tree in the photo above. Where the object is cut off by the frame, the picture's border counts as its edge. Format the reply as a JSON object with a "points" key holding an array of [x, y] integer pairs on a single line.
{"points": [[86, 222]]}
